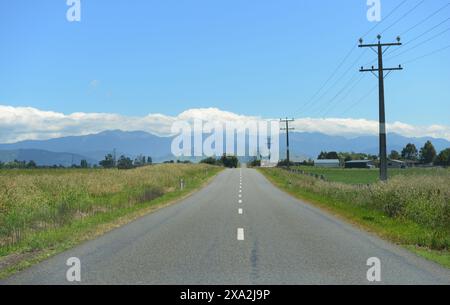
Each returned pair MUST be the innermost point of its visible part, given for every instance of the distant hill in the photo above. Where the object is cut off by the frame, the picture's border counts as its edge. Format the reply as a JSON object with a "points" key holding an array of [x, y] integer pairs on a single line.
{"points": [[94, 147], [43, 157]]}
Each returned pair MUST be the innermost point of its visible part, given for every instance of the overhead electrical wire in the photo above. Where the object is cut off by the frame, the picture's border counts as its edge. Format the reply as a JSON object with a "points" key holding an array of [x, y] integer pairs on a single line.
{"points": [[403, 16], [427, 55], [420, 44], [346, 57], [332, 106], [424, 20], [360, 100]]}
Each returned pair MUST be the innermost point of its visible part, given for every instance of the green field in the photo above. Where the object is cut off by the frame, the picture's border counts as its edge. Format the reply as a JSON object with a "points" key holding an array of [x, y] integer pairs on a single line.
{"points": [[411, 209], [367, 176], [45, 211]]}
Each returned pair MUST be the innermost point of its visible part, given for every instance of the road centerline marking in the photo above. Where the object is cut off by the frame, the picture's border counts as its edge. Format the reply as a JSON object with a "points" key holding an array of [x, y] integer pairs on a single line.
{"points": [[240, 234], [240, 211]]}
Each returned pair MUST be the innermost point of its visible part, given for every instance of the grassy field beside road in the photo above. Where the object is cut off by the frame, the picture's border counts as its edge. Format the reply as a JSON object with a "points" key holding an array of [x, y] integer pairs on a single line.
{"points": [[45, 211], [412, 209]]}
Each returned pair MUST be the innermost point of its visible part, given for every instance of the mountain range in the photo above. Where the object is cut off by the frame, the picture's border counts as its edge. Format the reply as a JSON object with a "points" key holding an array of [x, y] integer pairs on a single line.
{"points": [[94, 147]]}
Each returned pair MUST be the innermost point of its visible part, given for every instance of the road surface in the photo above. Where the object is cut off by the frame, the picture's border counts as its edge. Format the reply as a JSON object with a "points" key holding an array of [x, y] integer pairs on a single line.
{"points": [[238, 230]]}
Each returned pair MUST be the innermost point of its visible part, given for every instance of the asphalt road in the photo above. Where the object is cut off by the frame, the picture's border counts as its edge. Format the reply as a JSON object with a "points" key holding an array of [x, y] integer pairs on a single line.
{"points": [[234, 232]]}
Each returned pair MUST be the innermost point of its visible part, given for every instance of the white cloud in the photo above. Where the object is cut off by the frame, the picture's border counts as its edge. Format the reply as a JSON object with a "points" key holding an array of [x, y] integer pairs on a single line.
{"points": [[25, 123]]}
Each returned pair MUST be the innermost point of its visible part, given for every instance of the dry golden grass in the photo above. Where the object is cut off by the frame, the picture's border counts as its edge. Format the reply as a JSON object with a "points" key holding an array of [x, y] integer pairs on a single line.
{"points": [[423, 199], [35, 200]]}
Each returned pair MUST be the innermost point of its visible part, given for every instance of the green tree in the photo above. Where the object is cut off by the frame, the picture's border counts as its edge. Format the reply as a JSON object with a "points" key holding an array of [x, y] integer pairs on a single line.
{"points": [[209, 160], [149, 160], [427, 153], [229, 161], [255, 162], [124, 163], [328, 155], [322, 155], [84, 164], [443, 159], [108, 162], [31, 164], [409, 152], [332, 155], [394, 155]]}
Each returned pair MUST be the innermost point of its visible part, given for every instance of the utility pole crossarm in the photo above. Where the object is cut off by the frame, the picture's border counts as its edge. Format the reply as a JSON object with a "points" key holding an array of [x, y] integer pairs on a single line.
{"points": [[384, 69], [382, 44]]}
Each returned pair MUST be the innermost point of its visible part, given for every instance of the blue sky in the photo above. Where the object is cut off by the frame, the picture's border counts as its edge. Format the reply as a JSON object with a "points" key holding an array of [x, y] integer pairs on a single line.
{"points": [[252, 57]]}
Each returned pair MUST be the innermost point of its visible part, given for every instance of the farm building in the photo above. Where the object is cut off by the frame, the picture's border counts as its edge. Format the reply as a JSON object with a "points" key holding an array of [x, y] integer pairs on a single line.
{"points": [[359, 164], [396, 164], [327, 163]]}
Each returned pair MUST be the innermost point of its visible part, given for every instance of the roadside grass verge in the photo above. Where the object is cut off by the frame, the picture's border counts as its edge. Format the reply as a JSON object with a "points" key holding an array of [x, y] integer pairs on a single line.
{"points": [[411, 211], [36, 222]]}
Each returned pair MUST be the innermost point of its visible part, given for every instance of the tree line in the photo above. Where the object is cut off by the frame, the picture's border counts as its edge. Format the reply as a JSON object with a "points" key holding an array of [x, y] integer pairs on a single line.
{"points": [[125, 162], [425, 155], [109, 162], [229, 161]]}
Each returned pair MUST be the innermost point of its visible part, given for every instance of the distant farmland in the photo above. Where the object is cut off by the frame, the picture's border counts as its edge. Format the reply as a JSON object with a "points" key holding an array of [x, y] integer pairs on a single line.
{"points": [[367, 176]]}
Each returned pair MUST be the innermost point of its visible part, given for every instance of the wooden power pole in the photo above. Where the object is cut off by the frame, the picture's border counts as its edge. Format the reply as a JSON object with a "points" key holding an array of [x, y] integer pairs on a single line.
{"points": [[379, 73]]}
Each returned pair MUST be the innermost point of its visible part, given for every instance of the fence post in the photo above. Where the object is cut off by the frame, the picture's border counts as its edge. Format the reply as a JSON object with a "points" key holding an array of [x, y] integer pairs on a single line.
{"points": [[182, 184]]}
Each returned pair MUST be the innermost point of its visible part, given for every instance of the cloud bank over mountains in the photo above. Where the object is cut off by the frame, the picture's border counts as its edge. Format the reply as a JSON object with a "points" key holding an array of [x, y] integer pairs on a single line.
{"points": [[27, 123]]}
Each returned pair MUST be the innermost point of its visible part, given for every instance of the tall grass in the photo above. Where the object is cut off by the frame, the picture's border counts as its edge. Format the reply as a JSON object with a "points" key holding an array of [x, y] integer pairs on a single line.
{"points": [[421, 199], [36, 200]]}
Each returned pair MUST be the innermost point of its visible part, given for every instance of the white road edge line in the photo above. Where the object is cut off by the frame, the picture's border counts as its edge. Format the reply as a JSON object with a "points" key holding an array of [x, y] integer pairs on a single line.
{"points": [[240, 234]]}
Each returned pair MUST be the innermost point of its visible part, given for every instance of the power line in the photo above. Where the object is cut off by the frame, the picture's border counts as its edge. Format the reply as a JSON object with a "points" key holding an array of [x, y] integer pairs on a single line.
{"points": [[427, 31], [345, 96], [328, 80], [404, 16], [385, 18], [420, 44], [360, 100], [423, 34], [425, 20], [349, 53], [389, 27], [427, 55], [341, 77], [339, 92]]}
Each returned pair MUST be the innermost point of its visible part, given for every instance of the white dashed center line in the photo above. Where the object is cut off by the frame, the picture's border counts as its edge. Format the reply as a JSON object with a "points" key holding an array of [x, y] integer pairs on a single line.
{"points": [[240, 211], [240, 234], [240, 201]]}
